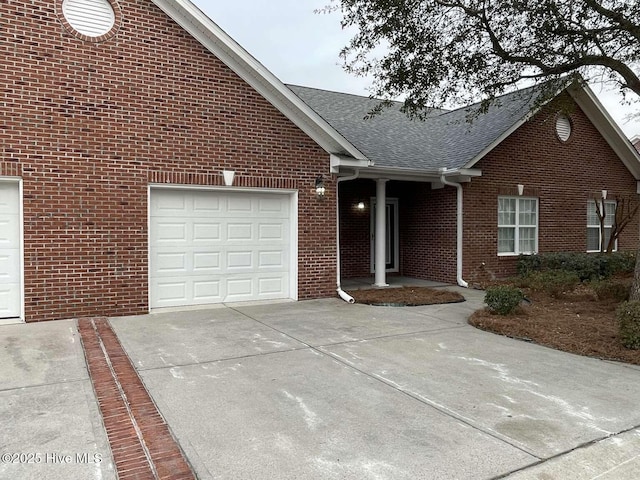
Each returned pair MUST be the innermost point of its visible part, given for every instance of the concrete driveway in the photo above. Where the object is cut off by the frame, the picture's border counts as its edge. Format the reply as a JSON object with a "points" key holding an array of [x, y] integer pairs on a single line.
{"points": [[322, 389]]}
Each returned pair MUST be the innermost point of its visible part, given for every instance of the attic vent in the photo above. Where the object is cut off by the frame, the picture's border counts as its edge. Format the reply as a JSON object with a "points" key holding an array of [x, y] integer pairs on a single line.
{"points": [[563, 128], [92, 18]]}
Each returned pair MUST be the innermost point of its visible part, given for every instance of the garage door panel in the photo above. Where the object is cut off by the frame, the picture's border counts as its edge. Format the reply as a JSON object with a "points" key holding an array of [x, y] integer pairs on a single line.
{"points": [[205, 204], [272, 286], [169, 204], [9, 300], [240, 260], [239, 232], [271, 259], [207, 262], [206, 231], [234, 247], [9, 230], [207, 291], [274, 207], [239, 203], [171, 232], [171, 263], [271, 231]]}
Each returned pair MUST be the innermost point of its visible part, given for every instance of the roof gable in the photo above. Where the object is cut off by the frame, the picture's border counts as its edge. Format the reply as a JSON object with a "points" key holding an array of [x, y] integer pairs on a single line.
{"points": [[214, 39]]}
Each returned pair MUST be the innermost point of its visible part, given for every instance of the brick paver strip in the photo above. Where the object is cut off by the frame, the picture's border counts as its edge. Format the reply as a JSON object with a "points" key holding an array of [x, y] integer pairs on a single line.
{"points": [[141, 443]]}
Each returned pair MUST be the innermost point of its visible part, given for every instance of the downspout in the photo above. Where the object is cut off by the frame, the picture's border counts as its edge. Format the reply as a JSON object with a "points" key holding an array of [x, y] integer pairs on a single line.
{"points": [[459, 227], [341, 293]]}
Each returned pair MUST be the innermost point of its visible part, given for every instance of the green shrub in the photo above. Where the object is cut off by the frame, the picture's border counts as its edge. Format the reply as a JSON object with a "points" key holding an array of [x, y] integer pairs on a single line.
{"points": [[628, 315], [503, 299], [611, 290], [588, 266], [552, 282]]}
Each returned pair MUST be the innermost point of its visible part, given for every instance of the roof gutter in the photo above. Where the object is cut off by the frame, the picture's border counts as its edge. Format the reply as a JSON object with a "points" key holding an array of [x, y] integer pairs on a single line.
{"points": [[459, 226]]}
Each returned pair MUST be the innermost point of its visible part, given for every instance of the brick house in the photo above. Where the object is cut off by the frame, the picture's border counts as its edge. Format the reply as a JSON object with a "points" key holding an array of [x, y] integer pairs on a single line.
{"points": [[149, 162], [457, 192]]}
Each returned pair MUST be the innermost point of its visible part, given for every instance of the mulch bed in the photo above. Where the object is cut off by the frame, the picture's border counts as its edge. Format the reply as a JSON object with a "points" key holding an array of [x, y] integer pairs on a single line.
{"points": [[405, 296], [577, 323]]}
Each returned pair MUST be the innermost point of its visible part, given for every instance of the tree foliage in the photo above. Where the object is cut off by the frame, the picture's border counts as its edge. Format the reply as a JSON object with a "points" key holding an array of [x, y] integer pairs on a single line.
{"points": [[439, 52]]}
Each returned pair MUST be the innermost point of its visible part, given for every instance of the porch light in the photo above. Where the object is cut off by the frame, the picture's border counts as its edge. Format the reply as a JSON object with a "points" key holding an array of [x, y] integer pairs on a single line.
{"points": [[604, 194], [320, 189], [360, 206]]}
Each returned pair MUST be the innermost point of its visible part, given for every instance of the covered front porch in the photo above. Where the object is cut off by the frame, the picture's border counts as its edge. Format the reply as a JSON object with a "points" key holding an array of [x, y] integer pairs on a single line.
{"points": [[413, 239]]}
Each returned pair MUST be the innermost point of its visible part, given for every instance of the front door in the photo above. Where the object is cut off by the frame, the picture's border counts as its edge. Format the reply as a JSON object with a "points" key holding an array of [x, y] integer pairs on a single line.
{"points": [[392, 251]]}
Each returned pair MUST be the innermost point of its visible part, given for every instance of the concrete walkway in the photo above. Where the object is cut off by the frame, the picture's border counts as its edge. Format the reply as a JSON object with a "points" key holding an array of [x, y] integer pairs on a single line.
{"points": [[322, 389]]}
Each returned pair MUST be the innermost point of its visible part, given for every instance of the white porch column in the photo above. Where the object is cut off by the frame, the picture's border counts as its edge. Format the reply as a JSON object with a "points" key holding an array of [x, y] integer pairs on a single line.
{"points": [[381, 234]]}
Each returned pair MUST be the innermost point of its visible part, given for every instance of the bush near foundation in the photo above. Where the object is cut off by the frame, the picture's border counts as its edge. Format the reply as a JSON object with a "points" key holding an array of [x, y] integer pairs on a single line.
{"points": [[628, 316], [503, 299], [553, 282], [609, 289], [588, 266]]}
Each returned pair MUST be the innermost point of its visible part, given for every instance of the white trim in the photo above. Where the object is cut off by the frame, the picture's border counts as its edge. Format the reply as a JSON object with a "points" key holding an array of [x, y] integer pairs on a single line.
{"points": [[293, 230], [396, 234], [22, 317], [214, 39]]}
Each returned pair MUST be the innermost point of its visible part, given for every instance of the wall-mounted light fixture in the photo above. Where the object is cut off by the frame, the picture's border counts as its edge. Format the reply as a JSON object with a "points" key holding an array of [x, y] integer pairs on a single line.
{"points": [[360, 206], [604, 194], [320, 189], [520, 189]]}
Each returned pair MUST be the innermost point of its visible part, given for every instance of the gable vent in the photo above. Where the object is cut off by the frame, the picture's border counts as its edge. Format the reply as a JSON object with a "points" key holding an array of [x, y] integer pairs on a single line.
{"points": [[563, 128], [92, 18]]}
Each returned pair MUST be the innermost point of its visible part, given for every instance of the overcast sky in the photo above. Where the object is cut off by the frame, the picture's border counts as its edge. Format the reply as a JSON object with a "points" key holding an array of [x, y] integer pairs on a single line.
{"points": [[301, 47]]}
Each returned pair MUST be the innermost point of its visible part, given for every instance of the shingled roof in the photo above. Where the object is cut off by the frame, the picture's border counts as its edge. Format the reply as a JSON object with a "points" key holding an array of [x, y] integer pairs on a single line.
{"points": [[444, 139]]}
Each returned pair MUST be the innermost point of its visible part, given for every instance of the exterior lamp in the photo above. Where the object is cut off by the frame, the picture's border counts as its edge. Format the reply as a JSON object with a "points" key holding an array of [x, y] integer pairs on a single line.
{"points": [[360, 206], [320, 189]]}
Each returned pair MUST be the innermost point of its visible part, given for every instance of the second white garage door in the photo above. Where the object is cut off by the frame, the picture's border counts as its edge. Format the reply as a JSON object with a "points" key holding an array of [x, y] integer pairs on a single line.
{"points": [[209, 246]]}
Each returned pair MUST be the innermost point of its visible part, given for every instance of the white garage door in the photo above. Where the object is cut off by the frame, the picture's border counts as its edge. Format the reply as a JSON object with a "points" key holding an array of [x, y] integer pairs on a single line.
{"points": [[9, 250], [213, 246]]}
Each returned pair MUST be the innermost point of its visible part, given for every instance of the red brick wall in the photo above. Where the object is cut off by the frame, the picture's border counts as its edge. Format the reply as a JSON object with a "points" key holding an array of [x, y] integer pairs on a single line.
{"points": [[563, 176], [428, 232], [88, 125], [355, 228]]}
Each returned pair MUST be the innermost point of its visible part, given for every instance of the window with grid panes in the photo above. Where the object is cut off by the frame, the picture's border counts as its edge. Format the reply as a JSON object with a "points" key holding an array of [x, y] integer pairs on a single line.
{"points": [[517, 225], [594, 240]]}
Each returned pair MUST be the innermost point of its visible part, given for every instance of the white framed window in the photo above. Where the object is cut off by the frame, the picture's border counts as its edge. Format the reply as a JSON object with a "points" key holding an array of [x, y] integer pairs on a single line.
{"points": [[595, 242], [517, 225]]}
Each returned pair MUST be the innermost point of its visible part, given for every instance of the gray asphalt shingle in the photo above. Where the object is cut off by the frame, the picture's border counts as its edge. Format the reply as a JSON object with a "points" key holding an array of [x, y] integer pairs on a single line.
{"points": [[392, 139]]}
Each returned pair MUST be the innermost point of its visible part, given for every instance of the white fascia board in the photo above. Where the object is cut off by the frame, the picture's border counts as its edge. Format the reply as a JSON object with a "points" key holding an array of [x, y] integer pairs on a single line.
{"points": [[214, 39], [608, 128], [416, 175]]}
